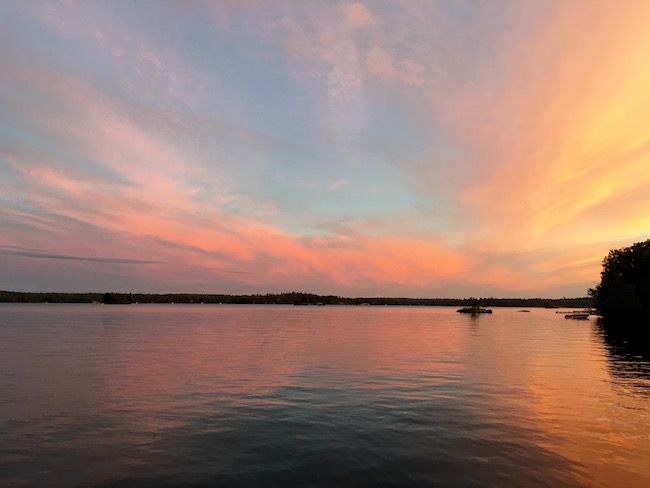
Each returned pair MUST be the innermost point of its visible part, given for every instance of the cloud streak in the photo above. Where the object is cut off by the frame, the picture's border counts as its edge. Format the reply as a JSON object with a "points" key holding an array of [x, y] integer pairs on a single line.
{"points": [[39, 254]]}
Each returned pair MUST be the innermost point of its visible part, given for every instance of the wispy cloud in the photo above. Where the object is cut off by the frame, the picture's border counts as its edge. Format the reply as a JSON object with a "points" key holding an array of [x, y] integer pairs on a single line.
{"points": [[40, 254], [338, 184]]}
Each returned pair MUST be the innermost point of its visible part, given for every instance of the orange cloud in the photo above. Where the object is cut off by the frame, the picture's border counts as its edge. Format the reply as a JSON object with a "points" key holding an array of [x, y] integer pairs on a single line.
{"points": [[558, 132]]}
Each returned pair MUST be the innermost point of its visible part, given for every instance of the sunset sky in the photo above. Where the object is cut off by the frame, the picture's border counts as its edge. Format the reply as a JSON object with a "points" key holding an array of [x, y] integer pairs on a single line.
{"points": [[392, 148]]}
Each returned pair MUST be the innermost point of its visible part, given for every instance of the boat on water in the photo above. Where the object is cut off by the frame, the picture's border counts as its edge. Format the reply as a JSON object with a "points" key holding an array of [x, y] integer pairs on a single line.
{"points": [[577, 315]]}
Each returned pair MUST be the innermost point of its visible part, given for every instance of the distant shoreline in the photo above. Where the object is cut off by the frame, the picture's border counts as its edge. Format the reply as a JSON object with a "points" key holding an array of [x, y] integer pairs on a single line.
{"points": [[291, 298]]}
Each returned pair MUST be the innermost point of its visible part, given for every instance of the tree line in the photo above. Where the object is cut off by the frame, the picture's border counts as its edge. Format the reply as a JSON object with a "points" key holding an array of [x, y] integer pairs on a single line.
{"points": [[289, 298]]}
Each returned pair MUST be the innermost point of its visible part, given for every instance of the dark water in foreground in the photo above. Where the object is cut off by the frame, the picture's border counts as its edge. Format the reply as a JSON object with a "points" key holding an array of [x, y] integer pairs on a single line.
{"points": [[162, 395]]}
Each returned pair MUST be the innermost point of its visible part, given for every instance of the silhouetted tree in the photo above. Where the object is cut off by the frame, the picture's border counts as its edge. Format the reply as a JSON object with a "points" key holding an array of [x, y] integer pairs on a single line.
{"points": [[624, 290]]}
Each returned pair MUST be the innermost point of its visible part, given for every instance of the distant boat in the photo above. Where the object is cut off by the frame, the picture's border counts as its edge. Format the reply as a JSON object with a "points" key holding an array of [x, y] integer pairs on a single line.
{"points": [[577, 315]]}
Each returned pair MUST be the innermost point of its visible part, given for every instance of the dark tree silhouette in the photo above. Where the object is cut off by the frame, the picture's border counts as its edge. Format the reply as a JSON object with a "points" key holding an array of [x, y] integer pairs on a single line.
{"points": [[117, 299], [624, 290]]}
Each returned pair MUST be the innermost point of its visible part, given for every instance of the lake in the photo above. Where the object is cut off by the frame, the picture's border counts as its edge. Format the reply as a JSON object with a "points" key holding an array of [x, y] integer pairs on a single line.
{"points": [[227, 395]]}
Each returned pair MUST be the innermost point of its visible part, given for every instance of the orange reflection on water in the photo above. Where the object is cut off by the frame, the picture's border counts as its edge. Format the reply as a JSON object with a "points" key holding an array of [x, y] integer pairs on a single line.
{"points": [[534, 380], [564, 391], [201, 355]]}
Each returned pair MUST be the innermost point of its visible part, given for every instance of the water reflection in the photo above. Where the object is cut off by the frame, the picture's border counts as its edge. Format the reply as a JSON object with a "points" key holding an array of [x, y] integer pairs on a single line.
{"points": [[167, 395], [628, 354]]}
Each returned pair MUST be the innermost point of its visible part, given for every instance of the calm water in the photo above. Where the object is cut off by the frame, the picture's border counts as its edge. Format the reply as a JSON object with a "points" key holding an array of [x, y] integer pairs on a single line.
{"points": [[162, 395]]}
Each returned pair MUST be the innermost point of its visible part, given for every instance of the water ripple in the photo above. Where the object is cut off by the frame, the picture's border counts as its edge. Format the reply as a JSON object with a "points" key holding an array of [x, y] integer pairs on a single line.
{"points": [[324, 396]]}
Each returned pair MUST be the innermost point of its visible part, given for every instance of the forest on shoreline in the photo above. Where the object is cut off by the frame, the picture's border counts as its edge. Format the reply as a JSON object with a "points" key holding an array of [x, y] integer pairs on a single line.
{"points": [[290, 298]]}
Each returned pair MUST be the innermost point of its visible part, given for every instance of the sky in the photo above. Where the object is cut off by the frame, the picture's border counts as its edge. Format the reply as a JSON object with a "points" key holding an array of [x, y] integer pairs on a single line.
{"points": [[379, 148]]}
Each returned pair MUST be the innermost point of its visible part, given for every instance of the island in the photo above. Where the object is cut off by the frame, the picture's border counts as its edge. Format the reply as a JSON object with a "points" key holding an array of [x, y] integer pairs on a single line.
{"points": [[474, 309]]}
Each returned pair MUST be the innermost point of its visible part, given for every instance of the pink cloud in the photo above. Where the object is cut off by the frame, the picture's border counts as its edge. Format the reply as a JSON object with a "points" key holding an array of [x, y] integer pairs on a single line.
{"points": [[357, 15]]}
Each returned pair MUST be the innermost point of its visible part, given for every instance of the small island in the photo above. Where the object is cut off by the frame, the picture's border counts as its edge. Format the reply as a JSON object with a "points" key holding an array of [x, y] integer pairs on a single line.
{"points": [[474, 309]]}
